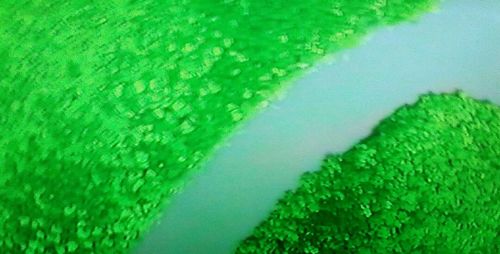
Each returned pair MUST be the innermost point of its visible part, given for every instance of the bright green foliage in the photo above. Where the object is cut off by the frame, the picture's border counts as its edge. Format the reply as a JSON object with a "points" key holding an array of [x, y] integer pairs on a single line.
{"points": [[426, 181], [107, 106]]}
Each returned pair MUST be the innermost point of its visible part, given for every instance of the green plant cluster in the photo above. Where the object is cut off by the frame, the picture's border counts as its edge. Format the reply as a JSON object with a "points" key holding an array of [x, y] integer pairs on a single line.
{"points": [[107, 106], [426, 181]]}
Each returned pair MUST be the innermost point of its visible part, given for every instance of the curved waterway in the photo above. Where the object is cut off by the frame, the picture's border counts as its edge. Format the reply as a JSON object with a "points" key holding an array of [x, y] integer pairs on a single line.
{"points": [[328, 111]]}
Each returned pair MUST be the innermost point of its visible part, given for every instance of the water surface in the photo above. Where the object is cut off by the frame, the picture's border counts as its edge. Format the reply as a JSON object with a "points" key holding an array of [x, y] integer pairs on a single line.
{"points": [[329, 110]]}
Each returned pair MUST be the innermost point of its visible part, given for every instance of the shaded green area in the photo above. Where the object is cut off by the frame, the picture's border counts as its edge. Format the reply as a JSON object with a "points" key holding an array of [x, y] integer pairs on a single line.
{"points": [[425, 181], [108, 106]]}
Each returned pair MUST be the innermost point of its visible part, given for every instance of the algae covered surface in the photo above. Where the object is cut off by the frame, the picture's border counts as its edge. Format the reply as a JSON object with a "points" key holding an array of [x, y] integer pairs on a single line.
{"points": [[425, 181], [106, 107]]}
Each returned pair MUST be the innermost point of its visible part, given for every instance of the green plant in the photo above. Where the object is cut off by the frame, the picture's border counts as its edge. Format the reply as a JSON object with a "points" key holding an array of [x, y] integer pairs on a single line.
{"points": [[108, 106], [426, 181]]}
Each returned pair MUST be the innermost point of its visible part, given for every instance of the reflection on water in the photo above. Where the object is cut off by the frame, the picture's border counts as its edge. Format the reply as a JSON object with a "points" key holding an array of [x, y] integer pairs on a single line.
{"points": [[328, 111]]}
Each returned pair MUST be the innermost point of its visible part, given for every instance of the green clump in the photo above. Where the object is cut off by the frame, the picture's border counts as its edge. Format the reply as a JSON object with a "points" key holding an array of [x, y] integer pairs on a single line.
{"points": [[107, 106], [426, 181]]}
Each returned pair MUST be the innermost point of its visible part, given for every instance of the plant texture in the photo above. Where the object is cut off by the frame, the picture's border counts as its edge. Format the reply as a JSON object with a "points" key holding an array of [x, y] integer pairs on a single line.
{"points": [[426, 181], [107, 106]]}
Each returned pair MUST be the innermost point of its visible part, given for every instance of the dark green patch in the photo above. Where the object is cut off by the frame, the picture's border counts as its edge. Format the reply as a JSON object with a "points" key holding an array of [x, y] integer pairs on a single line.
{"points": [[426, 181]]}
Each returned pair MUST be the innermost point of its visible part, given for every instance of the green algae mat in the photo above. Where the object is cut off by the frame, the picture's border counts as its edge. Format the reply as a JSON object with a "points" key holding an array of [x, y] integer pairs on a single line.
{"points": [[426, 181], [108, 106]]}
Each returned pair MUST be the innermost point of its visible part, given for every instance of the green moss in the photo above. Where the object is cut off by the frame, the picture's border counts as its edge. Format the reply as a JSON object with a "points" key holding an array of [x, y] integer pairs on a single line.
{"points": [[107, 106], [425, 181]]}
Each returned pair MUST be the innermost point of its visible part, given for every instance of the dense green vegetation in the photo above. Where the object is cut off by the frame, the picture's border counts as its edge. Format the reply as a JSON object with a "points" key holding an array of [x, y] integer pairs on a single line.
{"points": [[426, 181], [107, 106]]}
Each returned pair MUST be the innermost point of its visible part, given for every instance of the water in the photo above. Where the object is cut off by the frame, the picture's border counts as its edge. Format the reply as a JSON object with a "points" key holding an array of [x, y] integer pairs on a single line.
{"points": [[329, 110]]}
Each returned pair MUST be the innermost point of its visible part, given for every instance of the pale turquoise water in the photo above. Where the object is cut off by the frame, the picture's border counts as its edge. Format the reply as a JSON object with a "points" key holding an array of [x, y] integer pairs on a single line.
{"points": [[328, 111]]}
